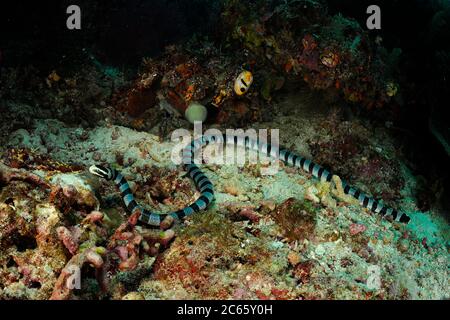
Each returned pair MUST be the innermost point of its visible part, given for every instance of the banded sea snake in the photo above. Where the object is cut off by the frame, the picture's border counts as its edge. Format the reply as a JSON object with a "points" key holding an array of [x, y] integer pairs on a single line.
{"points": [[204, 185]]}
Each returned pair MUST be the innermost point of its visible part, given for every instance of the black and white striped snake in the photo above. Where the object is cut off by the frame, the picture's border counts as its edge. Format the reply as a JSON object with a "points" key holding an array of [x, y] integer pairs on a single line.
{"points": [[204, 185]]}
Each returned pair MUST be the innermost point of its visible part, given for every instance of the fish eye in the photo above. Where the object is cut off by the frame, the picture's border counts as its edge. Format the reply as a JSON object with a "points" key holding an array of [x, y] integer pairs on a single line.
{"points": [[242, 89]]}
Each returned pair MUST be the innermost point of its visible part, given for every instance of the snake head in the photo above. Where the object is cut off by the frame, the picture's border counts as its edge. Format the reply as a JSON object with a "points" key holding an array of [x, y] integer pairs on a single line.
{"points": [[101, 171]]}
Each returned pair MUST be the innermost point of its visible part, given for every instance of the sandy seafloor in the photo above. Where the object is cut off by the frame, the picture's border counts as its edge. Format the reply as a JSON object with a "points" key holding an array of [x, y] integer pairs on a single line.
{"points": [[216, 255]]}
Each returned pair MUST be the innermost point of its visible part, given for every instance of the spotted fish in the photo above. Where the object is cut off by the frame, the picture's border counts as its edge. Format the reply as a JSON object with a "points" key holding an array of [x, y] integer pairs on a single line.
{"points": [[243, 82]]}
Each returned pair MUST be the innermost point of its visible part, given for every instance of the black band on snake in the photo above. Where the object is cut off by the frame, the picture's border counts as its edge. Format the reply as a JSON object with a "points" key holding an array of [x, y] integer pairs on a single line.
{"points": [[204, 185]]}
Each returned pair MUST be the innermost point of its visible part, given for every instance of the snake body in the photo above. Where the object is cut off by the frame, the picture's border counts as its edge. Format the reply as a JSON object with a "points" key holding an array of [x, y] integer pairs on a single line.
{"points": [[204, 185]]}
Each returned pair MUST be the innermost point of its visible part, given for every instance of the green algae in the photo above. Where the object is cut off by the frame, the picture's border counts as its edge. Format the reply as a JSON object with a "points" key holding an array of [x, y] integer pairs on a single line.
{"points": [[297, 218], [213, 223]]}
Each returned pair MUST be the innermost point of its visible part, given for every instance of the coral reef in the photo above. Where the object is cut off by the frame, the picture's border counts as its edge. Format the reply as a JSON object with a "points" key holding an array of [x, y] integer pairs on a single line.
{"points": [[64, 234], [340, 145], [267, 237], [328, 52], [49, 231], [337, 57], [331, 53]]}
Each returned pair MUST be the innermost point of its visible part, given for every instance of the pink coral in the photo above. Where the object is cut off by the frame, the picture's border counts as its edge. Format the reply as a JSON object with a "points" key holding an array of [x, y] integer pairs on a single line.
{"points": [[69, 239], [62, 289], [356, 228]]}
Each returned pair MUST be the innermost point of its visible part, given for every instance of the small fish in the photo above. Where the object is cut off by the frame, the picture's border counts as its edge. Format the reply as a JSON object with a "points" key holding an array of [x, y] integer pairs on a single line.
{"points": [[391, 89], [378, 40], [243, 82]]}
